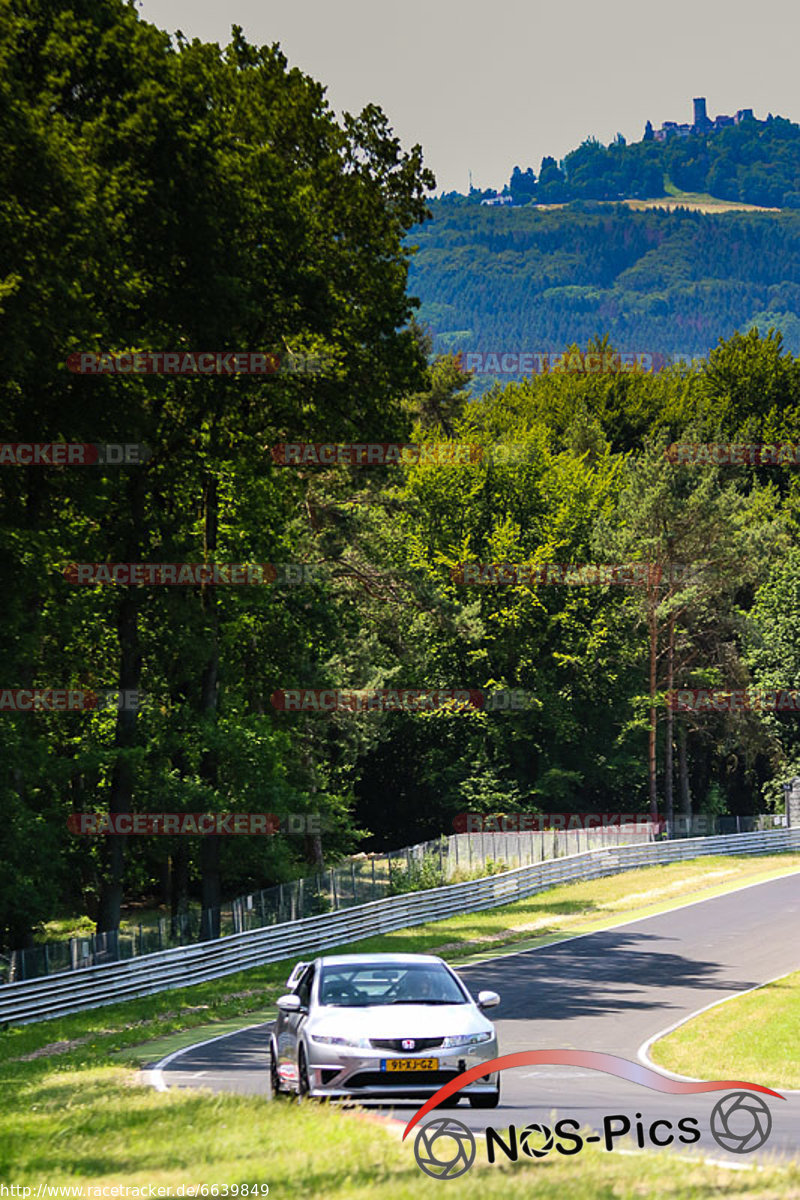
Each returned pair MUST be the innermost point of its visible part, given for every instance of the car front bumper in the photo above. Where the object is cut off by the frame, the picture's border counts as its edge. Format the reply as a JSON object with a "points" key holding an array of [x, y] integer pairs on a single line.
{"points": [[359, 1073]]}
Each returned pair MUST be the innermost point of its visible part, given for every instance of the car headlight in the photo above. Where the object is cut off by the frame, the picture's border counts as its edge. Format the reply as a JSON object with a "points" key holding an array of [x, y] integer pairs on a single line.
{"points": [[356, 1043], [465, 1039]]}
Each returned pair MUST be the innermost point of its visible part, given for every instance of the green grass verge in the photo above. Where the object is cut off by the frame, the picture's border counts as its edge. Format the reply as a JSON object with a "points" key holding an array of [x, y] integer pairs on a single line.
{"points": [[757, 1032], [70, 1111], [112, 1133]]}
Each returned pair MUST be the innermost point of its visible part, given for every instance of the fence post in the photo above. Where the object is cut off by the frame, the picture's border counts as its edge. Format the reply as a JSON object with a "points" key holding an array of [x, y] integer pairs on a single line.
{"points": [[353, 874], [373, 877]]}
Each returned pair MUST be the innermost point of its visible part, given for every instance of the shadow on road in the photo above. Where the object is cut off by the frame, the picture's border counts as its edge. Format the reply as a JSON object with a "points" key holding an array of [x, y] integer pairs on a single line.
{"points": [[607, 973]]}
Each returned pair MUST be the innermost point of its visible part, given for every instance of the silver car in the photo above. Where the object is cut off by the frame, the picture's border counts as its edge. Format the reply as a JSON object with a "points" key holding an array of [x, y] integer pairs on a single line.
{"points": [[381, 1026]]}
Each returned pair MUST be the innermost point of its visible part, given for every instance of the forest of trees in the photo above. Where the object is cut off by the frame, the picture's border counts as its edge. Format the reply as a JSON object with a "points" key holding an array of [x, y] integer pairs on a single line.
{"points": [[169, 195], [667, 282]]}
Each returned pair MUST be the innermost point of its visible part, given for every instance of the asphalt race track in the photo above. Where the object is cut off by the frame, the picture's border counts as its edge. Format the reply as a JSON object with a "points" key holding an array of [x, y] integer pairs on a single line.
{"points": [[609, 991]]}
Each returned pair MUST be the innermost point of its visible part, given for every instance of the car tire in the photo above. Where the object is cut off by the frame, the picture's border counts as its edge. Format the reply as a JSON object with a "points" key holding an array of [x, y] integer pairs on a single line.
{"points": [[490, 1100], [303, 1085], [274, 1077]]}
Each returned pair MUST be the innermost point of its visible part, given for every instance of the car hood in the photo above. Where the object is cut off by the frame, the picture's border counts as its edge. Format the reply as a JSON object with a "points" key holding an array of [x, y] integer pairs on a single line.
{"points": [[400, 1020]]}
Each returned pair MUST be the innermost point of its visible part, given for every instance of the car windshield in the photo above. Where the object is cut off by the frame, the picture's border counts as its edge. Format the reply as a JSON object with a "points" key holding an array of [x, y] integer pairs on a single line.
{"points": [[353, 986]]}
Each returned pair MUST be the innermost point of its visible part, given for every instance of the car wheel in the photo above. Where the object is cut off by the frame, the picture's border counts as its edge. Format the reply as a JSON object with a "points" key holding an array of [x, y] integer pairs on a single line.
{"points": [[274, 1077], [490, 1100], [303, 1085]]}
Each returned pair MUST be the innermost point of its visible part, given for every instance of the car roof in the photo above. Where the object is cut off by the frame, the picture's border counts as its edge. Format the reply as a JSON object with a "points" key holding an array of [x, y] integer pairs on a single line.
{"points": [[377, 959]]}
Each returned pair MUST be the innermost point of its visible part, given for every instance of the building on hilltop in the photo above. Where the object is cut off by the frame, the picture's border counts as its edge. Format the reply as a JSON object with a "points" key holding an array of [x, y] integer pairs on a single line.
{"points": [[702, 123]]}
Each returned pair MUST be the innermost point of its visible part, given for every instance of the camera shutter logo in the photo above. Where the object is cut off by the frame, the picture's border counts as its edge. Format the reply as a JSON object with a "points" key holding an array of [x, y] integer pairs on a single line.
{"points": [[444, 1148], [741, 1122], [536, 1140]]}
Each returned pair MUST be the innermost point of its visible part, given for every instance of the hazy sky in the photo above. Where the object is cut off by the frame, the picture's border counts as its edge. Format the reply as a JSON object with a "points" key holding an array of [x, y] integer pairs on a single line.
{"points": [[490, 85]]}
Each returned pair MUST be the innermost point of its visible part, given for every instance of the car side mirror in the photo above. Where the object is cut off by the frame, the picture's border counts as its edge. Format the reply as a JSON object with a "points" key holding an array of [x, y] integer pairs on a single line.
{"points": [[290, 1003], [485, 1000]]}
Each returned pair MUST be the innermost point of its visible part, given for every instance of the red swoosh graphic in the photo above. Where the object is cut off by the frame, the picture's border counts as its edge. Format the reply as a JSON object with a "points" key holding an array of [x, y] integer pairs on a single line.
{"points": [[611, 1064]]}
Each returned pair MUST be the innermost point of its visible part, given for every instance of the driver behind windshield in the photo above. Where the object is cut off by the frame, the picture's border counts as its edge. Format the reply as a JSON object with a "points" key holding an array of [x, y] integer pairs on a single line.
{"points": [[420, 985]]}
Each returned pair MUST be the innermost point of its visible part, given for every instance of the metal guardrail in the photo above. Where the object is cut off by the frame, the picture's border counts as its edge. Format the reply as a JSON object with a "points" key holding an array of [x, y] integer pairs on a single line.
{"points": [[358, 880], [92, 987]]}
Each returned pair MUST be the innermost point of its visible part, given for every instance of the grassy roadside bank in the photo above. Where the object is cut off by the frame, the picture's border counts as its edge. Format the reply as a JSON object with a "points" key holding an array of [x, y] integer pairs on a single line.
{"points": [[757, 1031], [71, 1110]]}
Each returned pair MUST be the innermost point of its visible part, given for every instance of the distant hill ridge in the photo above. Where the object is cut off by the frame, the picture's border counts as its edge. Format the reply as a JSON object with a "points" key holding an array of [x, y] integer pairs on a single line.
{"points": [[738, 158]]}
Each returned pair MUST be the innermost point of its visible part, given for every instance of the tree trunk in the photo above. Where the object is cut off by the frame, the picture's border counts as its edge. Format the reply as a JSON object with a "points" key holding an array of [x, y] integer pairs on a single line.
{"points": [[313, 841], [668, 772], [130, 673], [211, 885], [683, 775], [651, 616], [179, 885]]}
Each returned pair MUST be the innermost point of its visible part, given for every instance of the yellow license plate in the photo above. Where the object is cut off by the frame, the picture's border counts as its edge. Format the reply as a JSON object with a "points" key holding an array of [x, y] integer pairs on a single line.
{"points": [[410, 1064]]}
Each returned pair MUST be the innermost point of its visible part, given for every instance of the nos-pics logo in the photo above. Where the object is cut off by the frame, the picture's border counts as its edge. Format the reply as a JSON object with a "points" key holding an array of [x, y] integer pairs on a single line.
{"points": [[445, 1148]]}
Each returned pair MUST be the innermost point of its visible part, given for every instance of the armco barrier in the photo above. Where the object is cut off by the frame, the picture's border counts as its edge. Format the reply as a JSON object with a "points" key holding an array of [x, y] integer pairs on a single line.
{"points": [[181, 966]]}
